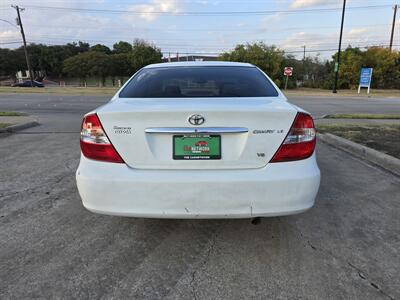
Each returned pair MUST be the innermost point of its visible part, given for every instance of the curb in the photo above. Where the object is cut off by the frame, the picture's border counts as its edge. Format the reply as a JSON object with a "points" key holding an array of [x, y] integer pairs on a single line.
{"points": [[18, 127], [383, 160]]}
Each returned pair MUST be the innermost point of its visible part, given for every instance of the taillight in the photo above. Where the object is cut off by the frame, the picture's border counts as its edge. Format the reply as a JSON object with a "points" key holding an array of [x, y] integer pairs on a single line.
{"points": [[95, 143], [299, 142]]}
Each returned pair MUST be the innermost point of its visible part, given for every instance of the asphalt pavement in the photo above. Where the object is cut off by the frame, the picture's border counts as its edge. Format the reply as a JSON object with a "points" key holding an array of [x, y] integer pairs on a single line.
{"points": [[346, 247], [62, 113]]}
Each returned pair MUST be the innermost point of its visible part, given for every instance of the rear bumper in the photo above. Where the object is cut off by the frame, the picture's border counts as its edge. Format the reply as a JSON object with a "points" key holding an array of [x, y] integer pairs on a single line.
{"points": [[277, 189]]}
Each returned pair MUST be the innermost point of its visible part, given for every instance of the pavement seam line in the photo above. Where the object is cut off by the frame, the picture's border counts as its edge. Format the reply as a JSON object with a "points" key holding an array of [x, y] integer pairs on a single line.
{"points": [[360, 273], [202, 264]]}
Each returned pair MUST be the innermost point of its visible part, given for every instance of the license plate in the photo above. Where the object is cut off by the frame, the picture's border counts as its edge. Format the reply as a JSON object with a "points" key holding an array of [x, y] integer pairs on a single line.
{"points": [[196, 147]]}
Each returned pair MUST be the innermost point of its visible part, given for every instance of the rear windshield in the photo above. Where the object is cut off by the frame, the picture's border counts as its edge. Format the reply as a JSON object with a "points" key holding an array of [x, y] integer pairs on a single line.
{"points": [[175, 82]]}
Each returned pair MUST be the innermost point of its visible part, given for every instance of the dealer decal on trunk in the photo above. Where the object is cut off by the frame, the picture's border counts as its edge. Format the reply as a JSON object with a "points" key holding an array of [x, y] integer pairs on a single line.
{"points": [[122, 130]]}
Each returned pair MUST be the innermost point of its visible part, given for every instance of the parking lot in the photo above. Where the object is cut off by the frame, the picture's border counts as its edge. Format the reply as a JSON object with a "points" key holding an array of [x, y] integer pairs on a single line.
{"points": [[346, 246]]}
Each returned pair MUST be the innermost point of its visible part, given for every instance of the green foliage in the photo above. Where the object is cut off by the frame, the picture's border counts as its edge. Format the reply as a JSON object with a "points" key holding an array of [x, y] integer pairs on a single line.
{"points": [[364, 116], [142, 55], [11, 61], [45, 60], [100, 65], [119, 67], [386, 64], [268, 58], [77, 66], [82, 60], [311, 72], [272, 61], [122, 47], [100, 48], [91, 63], [11, 114]]}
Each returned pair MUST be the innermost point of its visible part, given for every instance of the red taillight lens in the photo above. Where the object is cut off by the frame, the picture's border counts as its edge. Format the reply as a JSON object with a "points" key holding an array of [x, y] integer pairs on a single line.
{"points": [[95, 143], [300, 141]]}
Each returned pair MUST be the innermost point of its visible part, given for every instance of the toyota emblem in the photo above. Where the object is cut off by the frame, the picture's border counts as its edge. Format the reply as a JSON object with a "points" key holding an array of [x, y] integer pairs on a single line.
{"points": [[196, 120]]}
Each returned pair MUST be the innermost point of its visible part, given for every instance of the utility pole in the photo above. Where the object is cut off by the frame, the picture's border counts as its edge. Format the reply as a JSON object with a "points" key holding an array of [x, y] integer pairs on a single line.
{"points": [[18, 9], [304, 64], [393, 26], [339, 50]]}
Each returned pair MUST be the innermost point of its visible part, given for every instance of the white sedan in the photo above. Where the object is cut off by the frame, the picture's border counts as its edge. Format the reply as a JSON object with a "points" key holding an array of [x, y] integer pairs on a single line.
{"points": [[198, 140]]}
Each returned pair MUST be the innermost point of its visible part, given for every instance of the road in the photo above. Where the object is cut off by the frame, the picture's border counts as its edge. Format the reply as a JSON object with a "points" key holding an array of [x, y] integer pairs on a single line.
{"points": [[64, 113], [347, 246]]}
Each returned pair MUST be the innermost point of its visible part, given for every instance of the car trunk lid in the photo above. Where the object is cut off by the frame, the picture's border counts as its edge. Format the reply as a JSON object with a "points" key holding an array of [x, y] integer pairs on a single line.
{"points": [[248, 131]]}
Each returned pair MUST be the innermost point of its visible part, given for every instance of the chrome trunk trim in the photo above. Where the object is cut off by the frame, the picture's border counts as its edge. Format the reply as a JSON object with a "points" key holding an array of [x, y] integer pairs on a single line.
{"points": [[188, 130]]}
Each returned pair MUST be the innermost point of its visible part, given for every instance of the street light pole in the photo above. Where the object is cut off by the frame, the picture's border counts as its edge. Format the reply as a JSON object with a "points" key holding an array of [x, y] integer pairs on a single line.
{"points": [[17, 8], [339, 50]]}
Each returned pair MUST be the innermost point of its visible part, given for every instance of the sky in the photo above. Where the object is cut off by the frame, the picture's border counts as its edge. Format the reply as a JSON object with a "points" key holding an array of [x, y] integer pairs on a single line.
{"points": [[203, 26]]}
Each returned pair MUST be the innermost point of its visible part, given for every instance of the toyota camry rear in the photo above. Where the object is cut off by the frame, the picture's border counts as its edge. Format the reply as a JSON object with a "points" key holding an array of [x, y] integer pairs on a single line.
{"points": [[198, 140]]}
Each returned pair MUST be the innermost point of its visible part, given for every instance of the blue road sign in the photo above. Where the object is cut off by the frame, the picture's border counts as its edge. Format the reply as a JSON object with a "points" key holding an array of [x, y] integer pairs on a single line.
{"points": [[365, 77]]}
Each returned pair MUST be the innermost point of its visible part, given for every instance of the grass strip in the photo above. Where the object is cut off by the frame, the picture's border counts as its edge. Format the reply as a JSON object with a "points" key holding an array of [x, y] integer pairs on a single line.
{"points": [[11, 114], [383, 138], [364, 116]]}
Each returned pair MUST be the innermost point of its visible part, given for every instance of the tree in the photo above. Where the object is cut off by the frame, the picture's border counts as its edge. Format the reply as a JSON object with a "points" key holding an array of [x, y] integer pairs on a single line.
{"points": [[99, 65], [100, 48], [268, 58], [142, 55], [386, 65], [45, 60], [91, 63], [11, 61], [119, 66], [122, 47], [77, 66], [351, 61]]}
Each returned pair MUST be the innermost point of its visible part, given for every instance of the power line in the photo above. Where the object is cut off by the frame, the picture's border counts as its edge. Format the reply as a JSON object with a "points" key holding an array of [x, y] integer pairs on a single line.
{"points": [[254, 30], [171, 42], [9, 43], [205, 13], [287, 50], [6, 21]]}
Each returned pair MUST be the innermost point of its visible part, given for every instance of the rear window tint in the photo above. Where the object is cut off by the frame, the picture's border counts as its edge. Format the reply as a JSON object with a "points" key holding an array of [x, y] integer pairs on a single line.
{"points": [[188, 82]]}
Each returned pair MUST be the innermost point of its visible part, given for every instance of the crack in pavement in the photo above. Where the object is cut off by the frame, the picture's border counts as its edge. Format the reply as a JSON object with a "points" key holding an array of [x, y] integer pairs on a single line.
{"points": [[360, 273], [47, 188], [202, 264], [37, 187], [373, 284], [68, 165]]}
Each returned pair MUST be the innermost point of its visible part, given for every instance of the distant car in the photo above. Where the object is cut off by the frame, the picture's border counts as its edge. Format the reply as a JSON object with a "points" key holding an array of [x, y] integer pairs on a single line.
{"points": [[261, 159], [28, 83]]}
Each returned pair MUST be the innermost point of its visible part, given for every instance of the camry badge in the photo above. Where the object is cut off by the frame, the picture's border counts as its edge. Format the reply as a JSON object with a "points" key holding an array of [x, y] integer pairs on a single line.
{"points": [[196, 120]]}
